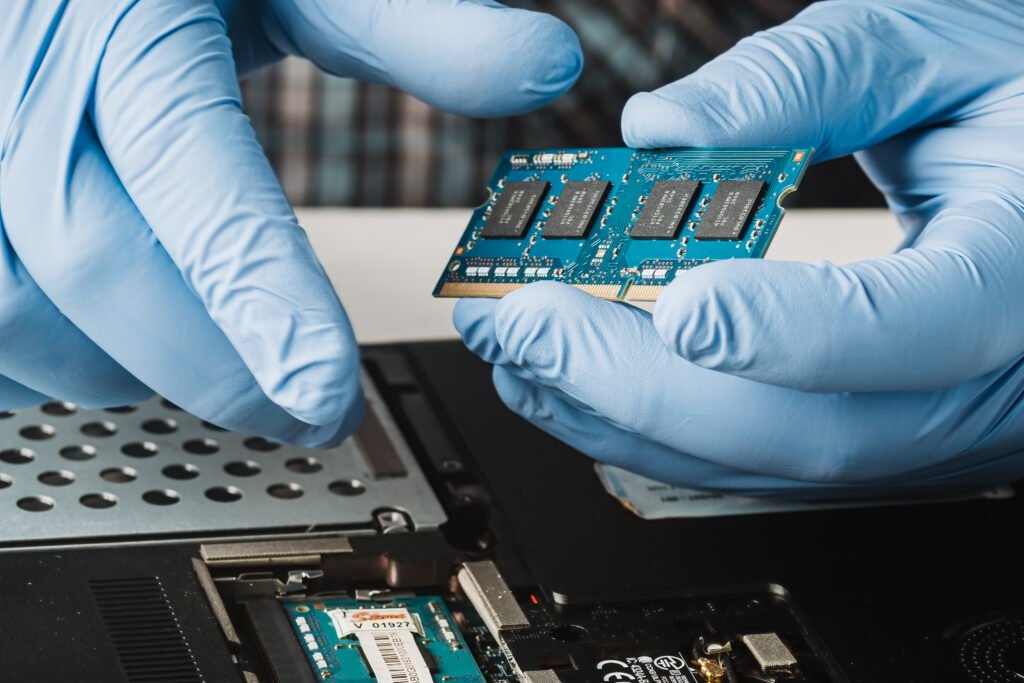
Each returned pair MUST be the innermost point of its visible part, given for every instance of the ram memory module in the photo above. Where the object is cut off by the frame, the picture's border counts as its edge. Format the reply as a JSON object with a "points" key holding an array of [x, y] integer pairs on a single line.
{"points": [[620, 223]]}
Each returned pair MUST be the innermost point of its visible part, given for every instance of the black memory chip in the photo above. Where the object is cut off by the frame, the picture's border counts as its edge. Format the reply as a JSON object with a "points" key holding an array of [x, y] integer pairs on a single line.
{"points": [[514, 211], [576, 207], [730, 209], [664, 208]]}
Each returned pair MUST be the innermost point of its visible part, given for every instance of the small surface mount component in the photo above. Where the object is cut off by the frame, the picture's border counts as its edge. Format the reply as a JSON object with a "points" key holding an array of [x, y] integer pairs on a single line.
{"points": [[664, 209], [620, 223], [514, 209], [369, 641], [769, 651], [574, 212]]}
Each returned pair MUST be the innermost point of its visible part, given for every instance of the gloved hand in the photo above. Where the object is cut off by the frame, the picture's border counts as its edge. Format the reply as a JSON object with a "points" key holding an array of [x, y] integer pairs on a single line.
{"points": [[146, 243], [762, 377]]}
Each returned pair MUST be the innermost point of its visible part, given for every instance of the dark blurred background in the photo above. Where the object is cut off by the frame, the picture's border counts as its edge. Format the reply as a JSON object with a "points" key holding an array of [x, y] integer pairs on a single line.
{"points": [[339, 142]]}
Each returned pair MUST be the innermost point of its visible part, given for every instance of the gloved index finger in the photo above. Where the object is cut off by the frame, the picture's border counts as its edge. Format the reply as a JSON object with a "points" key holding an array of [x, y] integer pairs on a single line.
{"points": [[841, 76], [168, 112]]}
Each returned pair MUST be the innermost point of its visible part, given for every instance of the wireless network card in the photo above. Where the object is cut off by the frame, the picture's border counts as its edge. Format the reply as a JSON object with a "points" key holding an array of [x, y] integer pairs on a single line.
{"points": [[620, 223]]}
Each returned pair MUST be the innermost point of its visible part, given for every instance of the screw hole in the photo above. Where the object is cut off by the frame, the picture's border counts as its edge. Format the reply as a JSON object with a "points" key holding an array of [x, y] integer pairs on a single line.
{"points": [[181, 472], [161, 497], [160, 425], [36, 503], [38, 432], [17, 456], [121, 410], [98, 501], [224, 494], [243, 468], [287, 491], [306, 465], [59, 408], [201, 446], [140, 449], [99, 428], [258, 443], [78, 452], [57, 478], [347, 487], [119, 475]]}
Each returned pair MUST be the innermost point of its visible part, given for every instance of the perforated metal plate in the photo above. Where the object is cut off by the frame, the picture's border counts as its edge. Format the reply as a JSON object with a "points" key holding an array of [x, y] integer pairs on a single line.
{"points": [[153, 471]]}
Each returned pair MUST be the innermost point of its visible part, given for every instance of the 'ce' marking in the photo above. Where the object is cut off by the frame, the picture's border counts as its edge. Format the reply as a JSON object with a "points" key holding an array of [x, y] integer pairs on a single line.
{"points": [[615, 676]]}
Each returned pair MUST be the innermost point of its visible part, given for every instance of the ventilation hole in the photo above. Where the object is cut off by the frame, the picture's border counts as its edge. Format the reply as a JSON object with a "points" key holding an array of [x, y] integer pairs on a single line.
{"points": [[36, 503], [242, 468], [347, 487], [99, 428], [258, 443], [121, 410], [119, 475], [59, 408], [201, 446], [4, 414], [181, 472], [140, 449], [160, 425], [17, 456], [287, 491], [98, 501], [161, 497], [57, 478], [170, 406], [212, 427], [224, 494], [304, 465], [145, 630], [5, 480], [79, 452], [37, 432]]}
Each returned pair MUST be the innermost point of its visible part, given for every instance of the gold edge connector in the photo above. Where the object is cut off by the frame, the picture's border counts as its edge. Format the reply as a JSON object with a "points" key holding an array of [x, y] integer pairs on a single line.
{"points": [[644, 292], [489, 290], [600, 291]]}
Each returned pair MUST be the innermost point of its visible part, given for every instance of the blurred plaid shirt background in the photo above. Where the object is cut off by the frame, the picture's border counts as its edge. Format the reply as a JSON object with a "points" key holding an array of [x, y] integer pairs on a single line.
{"points": [[340, 142]]}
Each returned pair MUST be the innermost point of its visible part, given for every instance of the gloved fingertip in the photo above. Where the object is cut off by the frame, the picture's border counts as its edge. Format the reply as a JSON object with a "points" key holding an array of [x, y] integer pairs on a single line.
{"points": [[650, 120], [528, 322], [484, 59], [474, 321], [326, 436], [315, 379], [557, 62], [516, 393], [694, 317]]}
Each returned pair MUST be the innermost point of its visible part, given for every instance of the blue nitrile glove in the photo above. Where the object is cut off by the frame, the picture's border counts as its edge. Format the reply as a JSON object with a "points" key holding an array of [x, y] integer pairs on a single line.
{"points": [[146, 243], [790, 378]]}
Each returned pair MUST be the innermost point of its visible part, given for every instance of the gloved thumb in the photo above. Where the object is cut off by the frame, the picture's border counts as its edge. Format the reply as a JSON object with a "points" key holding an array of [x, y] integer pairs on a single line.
{"points": [[469, 57], [925, 318]]}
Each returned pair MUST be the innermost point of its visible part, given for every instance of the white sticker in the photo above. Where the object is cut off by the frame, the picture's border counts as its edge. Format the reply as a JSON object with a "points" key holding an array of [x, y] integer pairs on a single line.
{"points": [[394, 657], [349, 621]]}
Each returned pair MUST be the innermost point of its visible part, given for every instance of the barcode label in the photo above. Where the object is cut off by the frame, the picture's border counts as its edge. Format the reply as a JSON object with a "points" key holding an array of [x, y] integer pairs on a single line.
{"points": [[394, 657]]}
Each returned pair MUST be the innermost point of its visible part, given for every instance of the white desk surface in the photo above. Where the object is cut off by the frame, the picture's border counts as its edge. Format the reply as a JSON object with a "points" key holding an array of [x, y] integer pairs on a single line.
{"points": [[391, 300]]}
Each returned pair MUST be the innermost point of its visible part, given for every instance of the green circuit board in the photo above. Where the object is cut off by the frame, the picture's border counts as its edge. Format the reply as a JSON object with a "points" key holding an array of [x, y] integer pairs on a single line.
{"points": [[404, 640], [620, 223]]}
